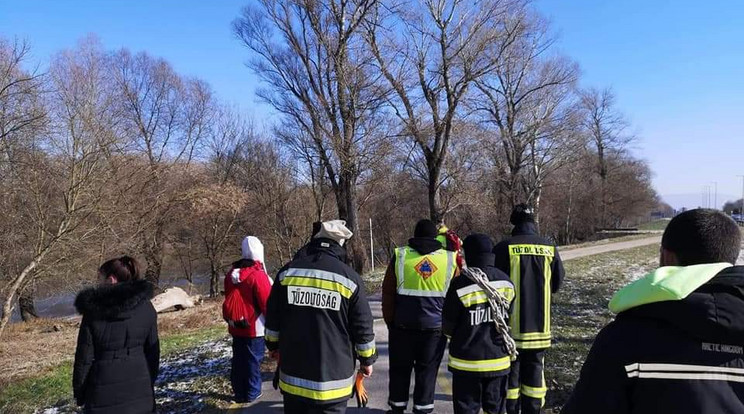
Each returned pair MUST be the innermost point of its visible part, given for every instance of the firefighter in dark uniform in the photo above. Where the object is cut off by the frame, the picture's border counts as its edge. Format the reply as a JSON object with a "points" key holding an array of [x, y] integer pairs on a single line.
{"points": [[478, 355], [677, 342], [414, 289], [534, 266], [319, 322]]}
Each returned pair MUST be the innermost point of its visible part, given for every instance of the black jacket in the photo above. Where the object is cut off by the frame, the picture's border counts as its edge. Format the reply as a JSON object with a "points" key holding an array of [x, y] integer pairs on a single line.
{"points": [[684, 356], [476, 348], [118, 353], [539, 274], [319, 319]]}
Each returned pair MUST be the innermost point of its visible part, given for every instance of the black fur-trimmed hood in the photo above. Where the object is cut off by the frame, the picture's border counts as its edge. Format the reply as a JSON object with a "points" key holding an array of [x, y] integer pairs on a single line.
{"points": [[113, 301]]}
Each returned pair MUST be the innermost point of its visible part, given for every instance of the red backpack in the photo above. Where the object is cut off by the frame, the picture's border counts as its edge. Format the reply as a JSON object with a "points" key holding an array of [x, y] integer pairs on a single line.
{"points": [[234, 309]]}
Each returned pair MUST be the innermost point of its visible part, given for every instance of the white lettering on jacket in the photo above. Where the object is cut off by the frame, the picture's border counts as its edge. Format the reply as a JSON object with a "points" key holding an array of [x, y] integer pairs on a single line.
{"points": [[729, 349], [313, 297], [480, 315]]}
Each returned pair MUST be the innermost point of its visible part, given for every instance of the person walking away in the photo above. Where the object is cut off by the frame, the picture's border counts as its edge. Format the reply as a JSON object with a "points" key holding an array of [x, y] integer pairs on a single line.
{"points": [[118, 352], [414, 288], [318, 323], [534, 266], [677, 342], [247, 288], [475, 320]]}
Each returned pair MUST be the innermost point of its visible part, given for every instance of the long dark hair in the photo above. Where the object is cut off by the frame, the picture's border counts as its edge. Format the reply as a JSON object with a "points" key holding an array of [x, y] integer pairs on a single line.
{"points": [[124, 269]]}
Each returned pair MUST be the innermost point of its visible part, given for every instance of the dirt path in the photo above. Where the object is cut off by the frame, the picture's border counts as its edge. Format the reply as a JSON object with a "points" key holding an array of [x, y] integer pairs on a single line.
{"points": [[609, 247]]}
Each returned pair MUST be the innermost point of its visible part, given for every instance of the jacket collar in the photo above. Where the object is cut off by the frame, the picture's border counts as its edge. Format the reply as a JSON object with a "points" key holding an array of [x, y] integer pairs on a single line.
{"points": [[525, 229], [424, 245], [664, 284], [481, 261], [321, 245], [109, 301], [711, 313]]}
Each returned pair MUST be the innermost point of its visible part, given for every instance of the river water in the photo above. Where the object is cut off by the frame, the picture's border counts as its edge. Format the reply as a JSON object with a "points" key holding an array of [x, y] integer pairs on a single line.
{"points": [[61, 305]]}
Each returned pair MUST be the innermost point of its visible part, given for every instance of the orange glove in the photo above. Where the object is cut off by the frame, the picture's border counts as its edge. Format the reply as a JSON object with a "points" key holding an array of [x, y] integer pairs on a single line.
{"points": [[359, 391]]}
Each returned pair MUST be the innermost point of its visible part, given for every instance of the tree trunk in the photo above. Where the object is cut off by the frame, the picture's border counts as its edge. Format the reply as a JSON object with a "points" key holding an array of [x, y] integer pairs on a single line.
{"points": [[214, 279], [154, 256], [570, 208], [603, 179], [347, 210], [15, 285], [435, 210], [536, 205], [26, 304]]}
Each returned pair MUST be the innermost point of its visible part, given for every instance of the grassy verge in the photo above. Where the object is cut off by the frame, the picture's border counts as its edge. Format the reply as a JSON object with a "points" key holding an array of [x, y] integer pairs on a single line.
{"points": [[654, 225], [52, 386], [580, 311]]}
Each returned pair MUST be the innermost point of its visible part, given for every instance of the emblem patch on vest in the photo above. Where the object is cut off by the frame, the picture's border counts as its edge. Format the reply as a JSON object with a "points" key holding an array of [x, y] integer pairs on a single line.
{"points": [[425, 268]]}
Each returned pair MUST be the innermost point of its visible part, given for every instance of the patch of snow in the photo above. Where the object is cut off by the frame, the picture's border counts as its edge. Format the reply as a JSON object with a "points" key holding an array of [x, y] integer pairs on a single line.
{"points": [[175, 391]]}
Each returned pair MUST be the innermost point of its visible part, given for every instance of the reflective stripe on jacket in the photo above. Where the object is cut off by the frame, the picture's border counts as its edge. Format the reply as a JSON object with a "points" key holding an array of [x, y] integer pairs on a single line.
{"points": [[319, 319], [476, 348], [535, 268]]}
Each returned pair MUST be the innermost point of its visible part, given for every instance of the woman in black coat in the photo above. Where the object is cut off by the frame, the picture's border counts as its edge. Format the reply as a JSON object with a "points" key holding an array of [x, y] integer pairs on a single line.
{"points": [[118, 352]]}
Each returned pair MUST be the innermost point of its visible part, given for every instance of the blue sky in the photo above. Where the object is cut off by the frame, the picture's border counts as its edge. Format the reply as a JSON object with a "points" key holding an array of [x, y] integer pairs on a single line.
{"points": [[677, 67]]}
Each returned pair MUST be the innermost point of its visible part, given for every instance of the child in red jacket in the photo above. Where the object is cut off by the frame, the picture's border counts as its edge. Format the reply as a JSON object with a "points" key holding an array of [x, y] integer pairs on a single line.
{"points": [[247, 288]]}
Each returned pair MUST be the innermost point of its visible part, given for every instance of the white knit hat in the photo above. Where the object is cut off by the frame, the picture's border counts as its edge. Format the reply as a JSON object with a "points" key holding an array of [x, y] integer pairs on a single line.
{"points": [[335, 230], [253, 249]]}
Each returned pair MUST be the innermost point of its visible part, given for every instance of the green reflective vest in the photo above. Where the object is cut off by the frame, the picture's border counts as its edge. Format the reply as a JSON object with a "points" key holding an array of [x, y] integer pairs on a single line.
{"points": [[427, 275]]}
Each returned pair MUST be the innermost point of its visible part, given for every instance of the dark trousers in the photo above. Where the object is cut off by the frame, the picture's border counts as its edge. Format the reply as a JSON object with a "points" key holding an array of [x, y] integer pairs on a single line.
{"points": [[421, 351], [527, 387], [245, 372], [470, 393], [293, 405]]}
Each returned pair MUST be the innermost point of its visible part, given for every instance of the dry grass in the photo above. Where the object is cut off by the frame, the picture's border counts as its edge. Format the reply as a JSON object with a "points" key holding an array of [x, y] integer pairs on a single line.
{"points": [[30, 349]]}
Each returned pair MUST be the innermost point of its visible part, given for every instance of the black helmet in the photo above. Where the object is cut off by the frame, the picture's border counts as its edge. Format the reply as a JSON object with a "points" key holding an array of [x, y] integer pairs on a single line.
{"points": [[522, 213]]}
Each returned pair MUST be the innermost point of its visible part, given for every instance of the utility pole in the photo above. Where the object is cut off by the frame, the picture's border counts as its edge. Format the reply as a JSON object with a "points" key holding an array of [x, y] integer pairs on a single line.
{"points": [[371, 245], [709, 197], [741, 211], [715, 199]]}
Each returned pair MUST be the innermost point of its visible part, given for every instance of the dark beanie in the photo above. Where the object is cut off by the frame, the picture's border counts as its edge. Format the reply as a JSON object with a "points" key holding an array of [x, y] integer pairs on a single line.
{"points": [[476, 245], [522, 213], [425, 228]]}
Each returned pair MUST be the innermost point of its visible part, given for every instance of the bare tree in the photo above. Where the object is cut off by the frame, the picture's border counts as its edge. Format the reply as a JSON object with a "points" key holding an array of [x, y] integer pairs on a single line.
{"points": [[317, 75], [166, 117], [20, 95], [608, 131], [430, 52], [61, 181], [22, 115], [524, 98]]}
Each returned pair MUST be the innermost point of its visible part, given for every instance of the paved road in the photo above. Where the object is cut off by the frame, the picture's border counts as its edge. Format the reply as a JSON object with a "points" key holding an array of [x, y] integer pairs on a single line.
{"points": [[609, 247], [377, 384]]}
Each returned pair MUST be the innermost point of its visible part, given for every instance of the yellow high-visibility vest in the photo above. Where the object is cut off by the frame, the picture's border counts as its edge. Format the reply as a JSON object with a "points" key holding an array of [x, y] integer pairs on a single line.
{"points": [[427, 275]]}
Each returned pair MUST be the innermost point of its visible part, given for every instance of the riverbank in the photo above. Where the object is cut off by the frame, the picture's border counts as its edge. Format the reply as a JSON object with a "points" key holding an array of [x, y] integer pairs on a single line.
{"points": [[36, 358]]}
